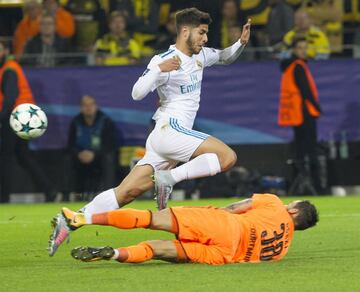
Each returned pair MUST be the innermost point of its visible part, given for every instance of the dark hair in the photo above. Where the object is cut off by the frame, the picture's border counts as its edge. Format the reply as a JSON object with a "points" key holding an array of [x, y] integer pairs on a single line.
{"points": [[296, 41], [192, 17], [307, 217]]}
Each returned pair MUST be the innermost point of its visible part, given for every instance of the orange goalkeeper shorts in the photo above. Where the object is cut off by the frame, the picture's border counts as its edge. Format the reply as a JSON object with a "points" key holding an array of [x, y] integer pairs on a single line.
{"points": [[207, 234]]}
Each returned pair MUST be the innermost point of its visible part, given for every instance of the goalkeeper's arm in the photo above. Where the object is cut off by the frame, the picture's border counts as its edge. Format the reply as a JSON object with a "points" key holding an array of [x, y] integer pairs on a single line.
{"points": [[239, 207]]}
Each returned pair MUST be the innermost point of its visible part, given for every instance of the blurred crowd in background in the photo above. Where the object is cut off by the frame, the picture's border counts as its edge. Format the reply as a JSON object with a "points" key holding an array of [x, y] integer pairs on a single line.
{"points": [[49, 33]]}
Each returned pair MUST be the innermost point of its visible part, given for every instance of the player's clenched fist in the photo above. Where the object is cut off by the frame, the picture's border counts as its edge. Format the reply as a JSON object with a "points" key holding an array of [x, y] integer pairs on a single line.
{"points": [[170, 65]]}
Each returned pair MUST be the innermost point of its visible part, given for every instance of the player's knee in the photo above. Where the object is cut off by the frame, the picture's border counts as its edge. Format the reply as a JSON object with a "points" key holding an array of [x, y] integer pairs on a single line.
{"points": [[228, 160], [163, 249], [161, 220]]}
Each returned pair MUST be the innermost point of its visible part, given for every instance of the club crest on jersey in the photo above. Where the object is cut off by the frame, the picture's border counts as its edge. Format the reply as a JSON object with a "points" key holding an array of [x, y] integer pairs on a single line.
{"points": [[199, 64], [176, 57]]}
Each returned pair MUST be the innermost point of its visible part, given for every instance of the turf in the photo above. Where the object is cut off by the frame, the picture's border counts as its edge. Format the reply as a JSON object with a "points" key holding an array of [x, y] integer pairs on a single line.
{"points": [[325, 258]]}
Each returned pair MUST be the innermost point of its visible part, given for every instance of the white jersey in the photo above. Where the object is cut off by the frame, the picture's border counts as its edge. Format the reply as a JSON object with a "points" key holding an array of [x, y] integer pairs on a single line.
{"points": [[179, 90]]}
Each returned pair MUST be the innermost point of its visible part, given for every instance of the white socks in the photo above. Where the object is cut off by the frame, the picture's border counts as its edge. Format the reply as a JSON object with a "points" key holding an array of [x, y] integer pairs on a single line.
{"points": [[116, 254], [103, 202], [204, 165]]}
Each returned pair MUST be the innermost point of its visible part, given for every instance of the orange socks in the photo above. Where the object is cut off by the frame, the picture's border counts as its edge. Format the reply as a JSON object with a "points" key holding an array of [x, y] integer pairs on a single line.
{"points": [[136, 253], [124, 218]]}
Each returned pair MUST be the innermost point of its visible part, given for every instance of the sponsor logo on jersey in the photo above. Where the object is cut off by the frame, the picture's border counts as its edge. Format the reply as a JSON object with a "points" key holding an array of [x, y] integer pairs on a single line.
{"points": [[195, 84]]}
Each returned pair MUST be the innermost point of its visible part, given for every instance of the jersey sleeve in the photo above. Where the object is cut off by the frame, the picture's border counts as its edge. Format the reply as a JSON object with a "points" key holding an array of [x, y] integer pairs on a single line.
{"points": [[211, 56], [154, 65], [222, 57], [150, 79], [265, 200]]}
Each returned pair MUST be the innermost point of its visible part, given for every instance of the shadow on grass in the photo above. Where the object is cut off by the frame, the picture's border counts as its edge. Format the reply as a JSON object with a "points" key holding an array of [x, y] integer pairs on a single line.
{"points": [[130, 266], [325, 254]]}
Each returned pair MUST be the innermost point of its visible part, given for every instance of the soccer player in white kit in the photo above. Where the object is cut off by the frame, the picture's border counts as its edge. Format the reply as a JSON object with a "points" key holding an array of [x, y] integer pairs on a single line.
{"points": [[177, 75]]}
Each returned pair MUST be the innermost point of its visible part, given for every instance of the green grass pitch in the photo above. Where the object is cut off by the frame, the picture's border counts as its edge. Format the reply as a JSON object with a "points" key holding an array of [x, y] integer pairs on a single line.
{"points": [[325, 258]]}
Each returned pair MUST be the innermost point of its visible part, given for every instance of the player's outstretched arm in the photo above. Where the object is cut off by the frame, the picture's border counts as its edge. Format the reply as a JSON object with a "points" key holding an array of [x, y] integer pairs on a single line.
{"points": [[153, 77], [239, 207], [230, 54], [245, 34]]}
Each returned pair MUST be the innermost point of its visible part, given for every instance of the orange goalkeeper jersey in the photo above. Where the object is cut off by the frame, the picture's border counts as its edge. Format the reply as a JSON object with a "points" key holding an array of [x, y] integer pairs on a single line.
{"points": [[266, 230]]}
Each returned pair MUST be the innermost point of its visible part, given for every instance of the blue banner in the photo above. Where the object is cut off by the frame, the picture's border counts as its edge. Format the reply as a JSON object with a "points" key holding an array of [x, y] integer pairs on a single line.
{"points": [[239, 102]]}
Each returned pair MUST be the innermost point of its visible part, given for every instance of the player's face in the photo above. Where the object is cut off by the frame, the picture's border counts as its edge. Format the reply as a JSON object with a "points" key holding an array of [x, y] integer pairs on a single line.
{"points": [[197, 38]]}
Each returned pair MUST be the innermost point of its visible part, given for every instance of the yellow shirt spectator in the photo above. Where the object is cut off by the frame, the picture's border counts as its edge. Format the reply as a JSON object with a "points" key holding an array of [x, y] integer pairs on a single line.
{"points": [[116, 47], [318, 44], [112, 51], [327, 15]]}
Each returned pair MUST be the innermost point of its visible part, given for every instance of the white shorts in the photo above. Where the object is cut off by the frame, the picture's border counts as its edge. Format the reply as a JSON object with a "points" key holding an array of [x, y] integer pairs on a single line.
{"points": [[170, 143]]}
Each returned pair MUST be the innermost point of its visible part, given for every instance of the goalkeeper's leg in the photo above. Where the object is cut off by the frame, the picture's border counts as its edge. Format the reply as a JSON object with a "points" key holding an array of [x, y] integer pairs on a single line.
{"points": [[125, 219], [155, 249]]}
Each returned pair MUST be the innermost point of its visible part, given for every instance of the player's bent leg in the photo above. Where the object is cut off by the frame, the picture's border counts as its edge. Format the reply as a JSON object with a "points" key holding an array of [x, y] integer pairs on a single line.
{"points": [[135, 183], [121, 218], [124, 219], [204, 254], [227, 157], [164, 220], [211, 157], [168, 250], [139, 253]]}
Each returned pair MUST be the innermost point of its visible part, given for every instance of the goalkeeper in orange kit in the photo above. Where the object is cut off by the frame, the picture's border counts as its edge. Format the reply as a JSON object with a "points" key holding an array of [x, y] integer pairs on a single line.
{"points": [[253, 230]]}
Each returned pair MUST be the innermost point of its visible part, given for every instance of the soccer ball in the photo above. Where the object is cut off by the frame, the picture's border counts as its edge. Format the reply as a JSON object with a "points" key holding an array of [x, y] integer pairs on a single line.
{"points": [[28, 121]]}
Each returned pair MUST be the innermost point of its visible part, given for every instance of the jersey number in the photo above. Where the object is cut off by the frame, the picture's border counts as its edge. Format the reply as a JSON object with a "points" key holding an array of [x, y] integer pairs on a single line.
{"points": [[272, 246]]}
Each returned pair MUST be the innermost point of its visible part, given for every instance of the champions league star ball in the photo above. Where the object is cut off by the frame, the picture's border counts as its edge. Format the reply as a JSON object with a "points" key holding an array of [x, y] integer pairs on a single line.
{"points": [[28, 121]]}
